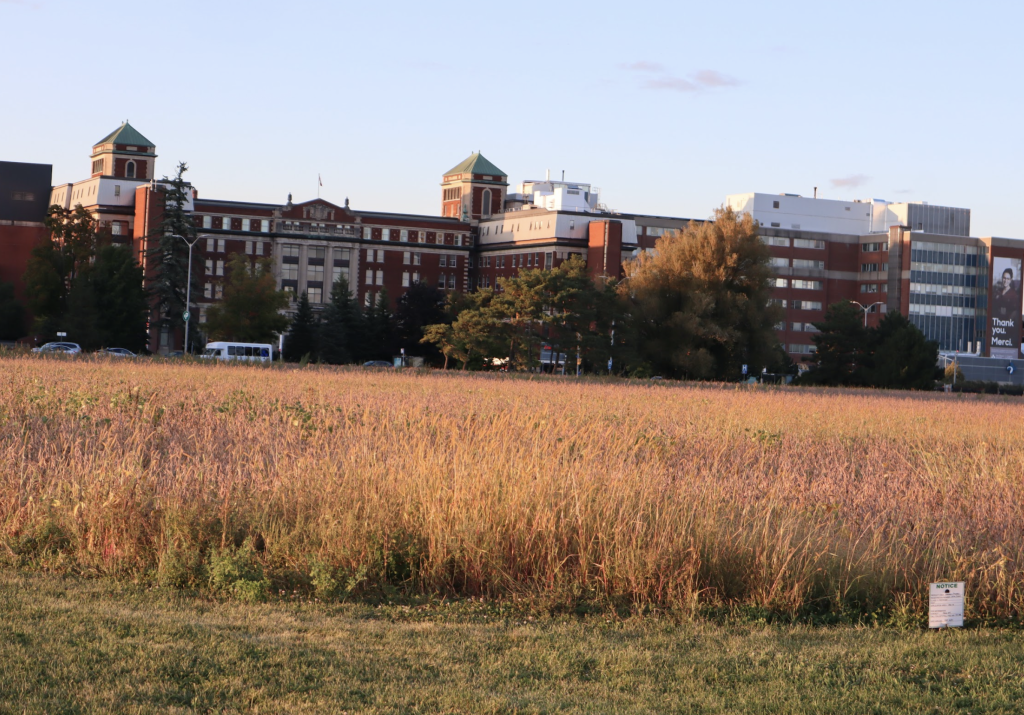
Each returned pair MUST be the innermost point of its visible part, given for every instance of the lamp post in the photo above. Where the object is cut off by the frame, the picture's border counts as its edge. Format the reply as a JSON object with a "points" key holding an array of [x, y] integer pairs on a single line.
{"points": [[188, 286], [867, 308]]}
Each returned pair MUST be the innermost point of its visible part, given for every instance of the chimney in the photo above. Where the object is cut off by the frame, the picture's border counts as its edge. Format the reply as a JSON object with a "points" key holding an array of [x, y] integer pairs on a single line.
{"points": [[547, 175], [815, 192]]}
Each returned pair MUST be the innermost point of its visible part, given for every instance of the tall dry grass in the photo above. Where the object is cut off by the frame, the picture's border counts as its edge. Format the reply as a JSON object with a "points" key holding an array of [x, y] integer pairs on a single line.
{"points": [[647, 494]]}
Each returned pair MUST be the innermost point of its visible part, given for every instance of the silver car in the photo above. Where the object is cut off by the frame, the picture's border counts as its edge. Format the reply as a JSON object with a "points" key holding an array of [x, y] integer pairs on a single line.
{"points": [[65, 348]]}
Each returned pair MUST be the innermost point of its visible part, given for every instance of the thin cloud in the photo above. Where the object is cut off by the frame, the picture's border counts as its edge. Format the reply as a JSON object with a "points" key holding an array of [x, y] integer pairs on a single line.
{"points": [[704, 79], [643, 66], [713, 78], [903, 191], [850, 182]]}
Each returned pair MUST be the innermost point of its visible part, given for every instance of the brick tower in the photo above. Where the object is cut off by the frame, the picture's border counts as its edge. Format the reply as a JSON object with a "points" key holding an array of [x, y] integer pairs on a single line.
{"points": [[473, 190]]}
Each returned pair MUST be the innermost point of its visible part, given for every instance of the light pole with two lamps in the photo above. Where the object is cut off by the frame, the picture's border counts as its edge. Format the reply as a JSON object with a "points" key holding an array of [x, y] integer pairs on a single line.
{"points": [[867, 309], [188, 286]]}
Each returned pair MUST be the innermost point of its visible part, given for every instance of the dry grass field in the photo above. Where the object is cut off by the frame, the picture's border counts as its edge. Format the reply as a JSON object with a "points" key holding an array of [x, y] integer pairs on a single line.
{"points": [[633, 496]]}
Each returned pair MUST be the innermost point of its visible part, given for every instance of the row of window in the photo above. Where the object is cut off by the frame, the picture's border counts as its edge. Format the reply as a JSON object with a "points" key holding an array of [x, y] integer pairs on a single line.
{"points": [[947, 257], [868, 267], [778, 262], [796, 304], [947, 279], [796, 349], [783, 242], [875, 246], [224, 223], [797, 283]]}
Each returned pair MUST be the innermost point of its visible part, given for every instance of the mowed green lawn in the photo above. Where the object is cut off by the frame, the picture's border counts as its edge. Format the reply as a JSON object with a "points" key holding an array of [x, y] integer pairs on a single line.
{"points": [[69, 645]]}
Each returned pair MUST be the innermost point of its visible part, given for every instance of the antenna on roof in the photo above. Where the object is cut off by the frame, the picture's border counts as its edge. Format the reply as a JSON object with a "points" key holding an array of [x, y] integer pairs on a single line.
{"points": [[815, 192]]}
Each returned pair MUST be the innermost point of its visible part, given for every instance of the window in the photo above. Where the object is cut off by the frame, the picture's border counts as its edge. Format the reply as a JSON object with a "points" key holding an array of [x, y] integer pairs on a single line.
{"points": [[802, 349], [415, 276], [249, 248], [805, 263], [315, 273], [367, 235], [868, 287], [385, 234], [219, 292], [209, 244], [316, 253], [369, 255], [872, 247], [406, 258], [775, 204], [868, 267], [405, 279], [776, 224], [417, 259], [404, 236], [97, 166], [367, 299], [369, 276], [807, 285], [290, 271], [529, 260], [290, 253], [443, 261], [220, 268], [453, 261], [441, 281], [117, 190], [380, 278], [806, 305], [781, 283], [451, 282], [265, 225], [259, 248], [209, 266], [129, 170], [207, 290], [780, 262], [220, 245], [808, 243], [486, 203], [547, 261], [777, 241], [778, 301], [116, 228], [339, 272], [225, 224], [798, 327]]}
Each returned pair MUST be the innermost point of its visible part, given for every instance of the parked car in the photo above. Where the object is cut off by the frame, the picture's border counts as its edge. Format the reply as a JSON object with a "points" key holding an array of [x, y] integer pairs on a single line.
{"points": [[66, 348], [118, 352], [377, 363]]}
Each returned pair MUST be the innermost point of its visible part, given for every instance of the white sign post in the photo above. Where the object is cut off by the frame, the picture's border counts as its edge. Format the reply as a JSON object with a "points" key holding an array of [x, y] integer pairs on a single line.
{"points": [[946, 605]]}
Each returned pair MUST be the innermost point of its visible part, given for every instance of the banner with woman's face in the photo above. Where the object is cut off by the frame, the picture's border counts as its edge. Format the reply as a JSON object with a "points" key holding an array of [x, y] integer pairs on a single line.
{"points": [[1005, 308]]}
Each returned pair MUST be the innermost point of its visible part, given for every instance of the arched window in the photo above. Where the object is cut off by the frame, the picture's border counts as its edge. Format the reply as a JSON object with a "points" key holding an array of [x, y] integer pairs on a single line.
{"points": [[486, 208], [129, 170]]}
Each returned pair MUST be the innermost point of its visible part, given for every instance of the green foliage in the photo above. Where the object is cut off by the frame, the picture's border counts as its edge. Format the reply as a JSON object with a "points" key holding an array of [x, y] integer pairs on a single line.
{"points": [[302, 335], [251, 309], [379, 330], [56, 262], [953, 374], [699, 304], [180, 568], [894, 355], [238, 573], [121, 307], [12, 314], [169, 254], [421, 306], [341, 330]]}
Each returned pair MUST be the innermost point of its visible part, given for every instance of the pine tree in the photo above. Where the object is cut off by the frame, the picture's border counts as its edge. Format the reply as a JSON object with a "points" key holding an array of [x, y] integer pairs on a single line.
{"points": [[12, 314], [379, 329], [301, 338], [842, 347], [422, 305], [120, 300], [169, 255], [901, 357], [341, 329], [56, 263]]}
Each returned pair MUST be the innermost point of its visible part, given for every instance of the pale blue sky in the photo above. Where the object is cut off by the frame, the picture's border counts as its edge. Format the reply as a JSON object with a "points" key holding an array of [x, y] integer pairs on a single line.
{"points": [[668, 107]]}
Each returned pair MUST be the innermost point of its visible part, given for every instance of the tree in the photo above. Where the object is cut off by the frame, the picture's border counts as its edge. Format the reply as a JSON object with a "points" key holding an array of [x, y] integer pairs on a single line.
{"points": [[55, 263], [12, 314], [170, 254], [842, 347], [379, 329], [301, 338], [700, 304], [422, 305], [250, 311], [478, 332], [341, 331], [121, 307], [901, 357]]}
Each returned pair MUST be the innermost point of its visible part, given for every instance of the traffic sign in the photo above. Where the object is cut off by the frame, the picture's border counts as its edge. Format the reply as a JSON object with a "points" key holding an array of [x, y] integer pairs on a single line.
{"points": [[744, 369], [1010, 369], [185, 316]]}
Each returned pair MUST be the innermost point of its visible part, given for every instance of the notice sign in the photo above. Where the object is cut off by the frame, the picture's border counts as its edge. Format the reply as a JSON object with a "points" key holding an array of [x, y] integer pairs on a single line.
{"points": [[946, 605], [1005, 328]]}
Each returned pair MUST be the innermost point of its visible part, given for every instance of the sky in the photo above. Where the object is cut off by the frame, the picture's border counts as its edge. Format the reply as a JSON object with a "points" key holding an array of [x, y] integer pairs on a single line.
{"points": [[668, 107]]}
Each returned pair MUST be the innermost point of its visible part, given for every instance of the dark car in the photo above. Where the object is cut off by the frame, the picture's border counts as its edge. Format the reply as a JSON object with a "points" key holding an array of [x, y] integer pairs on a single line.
{"points": [[118, 352]]}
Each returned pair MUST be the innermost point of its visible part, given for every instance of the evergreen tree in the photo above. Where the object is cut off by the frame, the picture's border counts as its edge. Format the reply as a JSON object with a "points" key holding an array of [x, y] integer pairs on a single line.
{"points": [[341, 330], [81, 321], [901, 357], [12, 314], [422, 305], [700, 302], [120, 299], [301, 338], [379, 329], [250, 311], [170, 255], [842, 347]]}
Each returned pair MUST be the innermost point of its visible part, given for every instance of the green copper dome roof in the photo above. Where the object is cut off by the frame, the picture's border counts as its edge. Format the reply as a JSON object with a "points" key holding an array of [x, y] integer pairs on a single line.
{"points": [[476, 164], [125, 134]]}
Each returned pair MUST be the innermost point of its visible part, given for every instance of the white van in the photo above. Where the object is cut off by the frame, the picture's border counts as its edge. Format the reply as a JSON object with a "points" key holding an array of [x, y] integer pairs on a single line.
{"points": [[250, 352]]}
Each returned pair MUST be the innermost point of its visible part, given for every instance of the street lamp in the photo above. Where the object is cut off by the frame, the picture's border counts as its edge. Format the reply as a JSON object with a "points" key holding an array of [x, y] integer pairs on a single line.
{"points": [[867, 309], [188, 285]]}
